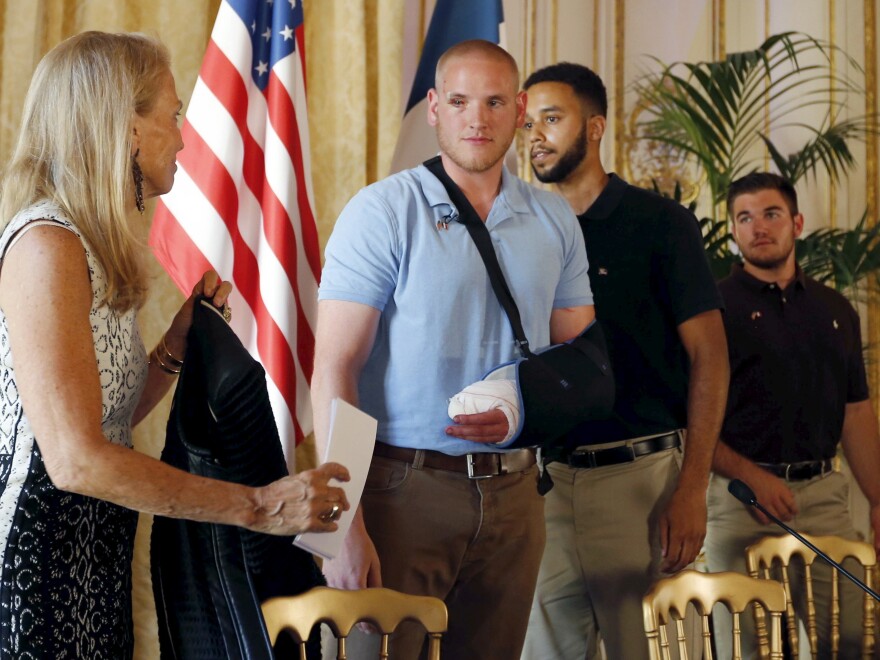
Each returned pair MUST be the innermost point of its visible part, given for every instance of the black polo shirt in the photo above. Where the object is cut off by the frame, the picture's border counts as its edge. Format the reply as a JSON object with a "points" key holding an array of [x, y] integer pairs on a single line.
{"points": [[795, 362], [649, 274]]}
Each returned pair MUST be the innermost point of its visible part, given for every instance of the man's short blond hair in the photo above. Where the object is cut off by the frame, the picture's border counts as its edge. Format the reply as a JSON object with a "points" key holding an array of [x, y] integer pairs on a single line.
{"points": [[476, 47]]}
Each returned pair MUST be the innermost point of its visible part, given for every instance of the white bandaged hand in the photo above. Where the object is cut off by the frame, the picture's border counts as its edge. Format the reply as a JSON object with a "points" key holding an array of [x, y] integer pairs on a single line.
{"points": [[485, 395]]}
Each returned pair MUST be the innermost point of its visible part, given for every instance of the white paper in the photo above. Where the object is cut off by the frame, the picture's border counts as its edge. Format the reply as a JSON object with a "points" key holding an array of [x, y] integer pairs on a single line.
{"points": [[351, 440]]}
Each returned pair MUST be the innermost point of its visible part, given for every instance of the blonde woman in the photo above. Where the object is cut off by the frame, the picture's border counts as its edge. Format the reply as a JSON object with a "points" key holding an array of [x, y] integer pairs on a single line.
{"points": [[99, 135]]}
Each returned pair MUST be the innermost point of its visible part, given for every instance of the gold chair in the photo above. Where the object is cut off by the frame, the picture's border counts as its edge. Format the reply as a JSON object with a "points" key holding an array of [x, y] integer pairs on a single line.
{"points": [[341, 610], [668, 599], [761, 556]]}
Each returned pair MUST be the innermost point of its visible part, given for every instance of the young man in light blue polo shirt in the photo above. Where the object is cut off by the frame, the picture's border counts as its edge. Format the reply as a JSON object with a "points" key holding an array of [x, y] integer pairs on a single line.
{"points": [[407, 318]]}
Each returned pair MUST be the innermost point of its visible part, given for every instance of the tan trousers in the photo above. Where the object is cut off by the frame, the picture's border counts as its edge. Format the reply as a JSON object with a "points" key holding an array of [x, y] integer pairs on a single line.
{"points": [[823, 505], [475, 543], [602, 555]]}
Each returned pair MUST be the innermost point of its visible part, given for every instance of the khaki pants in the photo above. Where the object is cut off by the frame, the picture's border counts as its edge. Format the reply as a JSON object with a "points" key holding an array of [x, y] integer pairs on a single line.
{"points": [[475, 543], [602, 556], [823, 505]]}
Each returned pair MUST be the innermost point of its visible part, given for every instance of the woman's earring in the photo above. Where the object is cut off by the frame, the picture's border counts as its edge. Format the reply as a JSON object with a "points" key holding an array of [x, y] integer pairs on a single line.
{"points": [[138, 182]]}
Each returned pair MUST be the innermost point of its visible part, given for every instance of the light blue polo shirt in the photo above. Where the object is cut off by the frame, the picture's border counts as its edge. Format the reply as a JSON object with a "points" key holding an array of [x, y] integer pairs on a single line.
{"points": [[441, 326]]}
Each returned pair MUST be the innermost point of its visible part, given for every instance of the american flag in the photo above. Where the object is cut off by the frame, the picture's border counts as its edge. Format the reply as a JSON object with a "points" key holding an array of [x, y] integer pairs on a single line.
{"points": [[242, 199]]}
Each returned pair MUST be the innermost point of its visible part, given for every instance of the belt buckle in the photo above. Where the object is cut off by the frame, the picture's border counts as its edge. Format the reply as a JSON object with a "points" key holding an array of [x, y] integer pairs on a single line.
{"points": [[591, 455], [591, 458], [787, 471], [632, 452], [470, 469]]}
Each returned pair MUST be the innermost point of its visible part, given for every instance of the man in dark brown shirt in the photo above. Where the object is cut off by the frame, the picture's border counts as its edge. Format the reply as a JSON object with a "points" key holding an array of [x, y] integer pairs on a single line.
{"points": [[797, 390]]}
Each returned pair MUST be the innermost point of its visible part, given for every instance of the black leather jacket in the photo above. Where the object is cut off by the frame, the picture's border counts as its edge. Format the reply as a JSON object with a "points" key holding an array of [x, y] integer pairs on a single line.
{"points": [[209, 579]]}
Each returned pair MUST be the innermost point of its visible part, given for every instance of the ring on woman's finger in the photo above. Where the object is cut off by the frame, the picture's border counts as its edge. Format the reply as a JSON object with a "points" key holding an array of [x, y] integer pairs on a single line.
{"points": [[332, 514]]}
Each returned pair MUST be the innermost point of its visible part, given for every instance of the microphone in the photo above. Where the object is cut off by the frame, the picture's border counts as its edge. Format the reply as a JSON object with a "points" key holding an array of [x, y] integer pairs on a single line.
{"points": [[741, 491]]}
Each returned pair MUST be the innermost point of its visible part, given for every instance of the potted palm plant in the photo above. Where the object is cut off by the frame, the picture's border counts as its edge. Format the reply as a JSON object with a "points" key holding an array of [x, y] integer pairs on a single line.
{"points": [[717, 117]]}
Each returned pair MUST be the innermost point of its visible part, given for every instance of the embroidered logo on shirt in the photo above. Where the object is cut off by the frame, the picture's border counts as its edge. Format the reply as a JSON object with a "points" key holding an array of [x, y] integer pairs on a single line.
{"points": [[756, 315], [602, 271]]}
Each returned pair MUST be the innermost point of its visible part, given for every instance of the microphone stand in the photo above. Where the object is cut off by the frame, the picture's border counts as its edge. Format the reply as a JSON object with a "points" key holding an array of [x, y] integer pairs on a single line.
{"points": [[752, 500]]}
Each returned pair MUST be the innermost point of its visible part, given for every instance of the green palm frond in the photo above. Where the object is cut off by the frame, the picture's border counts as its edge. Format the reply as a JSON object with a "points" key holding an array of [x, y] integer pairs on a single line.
{"points": [[842, 258], [828, 149], [720, 115], [718, 112]]}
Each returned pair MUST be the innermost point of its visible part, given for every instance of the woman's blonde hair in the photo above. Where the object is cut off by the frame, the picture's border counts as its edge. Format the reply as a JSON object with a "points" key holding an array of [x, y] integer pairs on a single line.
{"points": [[75, 144]]}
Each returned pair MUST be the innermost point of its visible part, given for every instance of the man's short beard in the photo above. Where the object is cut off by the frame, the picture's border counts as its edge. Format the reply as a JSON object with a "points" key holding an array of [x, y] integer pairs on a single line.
{"points": [[767, 263], [473, 165], [770, 261], [568, 162]]}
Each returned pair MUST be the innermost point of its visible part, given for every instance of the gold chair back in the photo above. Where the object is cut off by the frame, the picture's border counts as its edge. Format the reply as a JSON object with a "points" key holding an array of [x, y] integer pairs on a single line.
{"points": [[668, 599], [779, 550], [341, 609]]}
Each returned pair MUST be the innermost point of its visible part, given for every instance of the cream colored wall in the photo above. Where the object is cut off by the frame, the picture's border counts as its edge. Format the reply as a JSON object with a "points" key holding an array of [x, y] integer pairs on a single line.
{"points": [[354, 75]]}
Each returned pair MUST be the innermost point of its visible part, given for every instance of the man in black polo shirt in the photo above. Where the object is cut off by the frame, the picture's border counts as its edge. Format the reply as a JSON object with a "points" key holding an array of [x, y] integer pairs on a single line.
{"points": [[627, 505], [797, 389]]}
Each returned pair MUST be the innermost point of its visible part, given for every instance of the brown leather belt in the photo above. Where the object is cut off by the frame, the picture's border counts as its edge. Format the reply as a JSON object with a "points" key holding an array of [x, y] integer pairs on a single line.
{"points": [[803, 471], [475, 466]]}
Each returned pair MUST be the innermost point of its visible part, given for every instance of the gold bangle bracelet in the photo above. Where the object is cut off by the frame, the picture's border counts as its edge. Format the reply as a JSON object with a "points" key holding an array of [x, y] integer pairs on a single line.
{"points": [[156, 358], [169, 358]]}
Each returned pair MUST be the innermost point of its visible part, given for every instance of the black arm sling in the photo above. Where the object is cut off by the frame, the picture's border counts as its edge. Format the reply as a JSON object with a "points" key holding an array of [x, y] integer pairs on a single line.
{"points": [[559, 387]]}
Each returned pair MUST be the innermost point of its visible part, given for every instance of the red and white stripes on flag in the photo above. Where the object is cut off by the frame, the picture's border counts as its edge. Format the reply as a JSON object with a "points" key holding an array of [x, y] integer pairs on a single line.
{"points": [[242, 199]]}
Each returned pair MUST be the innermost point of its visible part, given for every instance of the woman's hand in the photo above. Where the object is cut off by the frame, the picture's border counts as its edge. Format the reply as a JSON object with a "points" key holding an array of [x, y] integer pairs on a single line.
{"points": [[212, 287], [302, 502]]}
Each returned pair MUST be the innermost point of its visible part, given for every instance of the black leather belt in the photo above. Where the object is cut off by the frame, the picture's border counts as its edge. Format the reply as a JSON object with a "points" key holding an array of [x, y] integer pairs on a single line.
{"points": [[801, 471], [475, 466], [626, 452]]}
